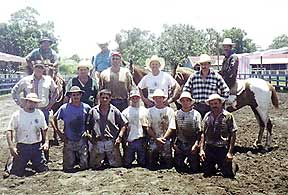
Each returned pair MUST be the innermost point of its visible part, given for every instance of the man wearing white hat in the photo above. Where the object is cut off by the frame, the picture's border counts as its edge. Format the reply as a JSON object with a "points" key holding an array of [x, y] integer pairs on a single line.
{"points": [[218, 139], [137, 116], [204, 83], [102, 59], [161, 121], [157, 79], [230, 68], [85, 83], [29, 125]]}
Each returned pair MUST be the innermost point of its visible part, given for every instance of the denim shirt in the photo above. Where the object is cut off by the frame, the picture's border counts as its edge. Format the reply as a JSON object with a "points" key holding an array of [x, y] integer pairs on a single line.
{"points": [[102, 61]]}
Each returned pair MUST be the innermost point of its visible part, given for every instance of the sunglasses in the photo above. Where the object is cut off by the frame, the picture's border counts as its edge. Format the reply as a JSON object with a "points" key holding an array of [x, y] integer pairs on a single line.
{"points": [[116, 58]]}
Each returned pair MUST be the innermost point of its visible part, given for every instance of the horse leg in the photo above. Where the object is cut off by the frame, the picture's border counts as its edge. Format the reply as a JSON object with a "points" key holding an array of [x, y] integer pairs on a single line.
{"points": [[269, 134], [261, 123]]}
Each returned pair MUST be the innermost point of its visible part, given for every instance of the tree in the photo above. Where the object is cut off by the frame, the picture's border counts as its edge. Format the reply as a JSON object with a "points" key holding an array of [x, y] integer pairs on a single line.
{"points": [[238, 36], [136, 44], [23, 32], [177, 42], [278, 42], [212, 41], [75, 57]]}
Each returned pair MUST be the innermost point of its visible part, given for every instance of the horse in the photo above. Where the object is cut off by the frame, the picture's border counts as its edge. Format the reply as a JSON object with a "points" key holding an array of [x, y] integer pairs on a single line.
{"points": [[254, 92]]}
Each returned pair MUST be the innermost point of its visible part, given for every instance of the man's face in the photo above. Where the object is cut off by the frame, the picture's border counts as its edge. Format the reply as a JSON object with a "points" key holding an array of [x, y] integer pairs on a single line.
{"points": [[135, 99], [103, 47], [30, 105], [155, 66], [159, 100], [105, 99], [82, 71], [75, 97], [115, 60], [227, 49], [186, 103], [205, 66], [215, 105], [39, 70], [45, 45]]}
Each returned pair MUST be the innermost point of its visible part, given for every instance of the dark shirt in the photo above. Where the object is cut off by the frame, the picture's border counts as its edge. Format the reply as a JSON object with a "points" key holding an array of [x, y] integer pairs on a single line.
{"points": [[229, 69]]}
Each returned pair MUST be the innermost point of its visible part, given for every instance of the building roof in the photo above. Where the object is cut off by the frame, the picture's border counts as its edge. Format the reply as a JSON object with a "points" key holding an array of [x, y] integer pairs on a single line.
{"points": [[11, 58]]}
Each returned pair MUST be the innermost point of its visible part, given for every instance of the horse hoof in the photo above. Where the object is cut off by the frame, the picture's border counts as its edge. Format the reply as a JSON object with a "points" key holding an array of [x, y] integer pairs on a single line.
{"points": [[257, 145]]}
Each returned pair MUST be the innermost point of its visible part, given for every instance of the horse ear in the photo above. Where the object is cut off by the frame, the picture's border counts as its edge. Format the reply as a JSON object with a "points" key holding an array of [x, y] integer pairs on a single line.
{"points": [[130, 61]]}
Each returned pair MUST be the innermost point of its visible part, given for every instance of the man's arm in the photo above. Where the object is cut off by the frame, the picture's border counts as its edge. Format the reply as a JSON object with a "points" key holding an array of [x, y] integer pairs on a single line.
{"points": [[229, 155], [46, 139], [54, 124], [12, 147], [15, 92], [176, 93]]}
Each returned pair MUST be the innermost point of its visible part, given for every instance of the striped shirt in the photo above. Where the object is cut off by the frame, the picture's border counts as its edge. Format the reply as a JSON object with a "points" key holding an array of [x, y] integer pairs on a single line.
{"points": [[200, 88]]}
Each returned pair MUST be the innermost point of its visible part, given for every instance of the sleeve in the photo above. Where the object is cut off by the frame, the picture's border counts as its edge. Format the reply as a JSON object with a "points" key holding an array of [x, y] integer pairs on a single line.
{"points": [[120, 119], [171, 115], [12, 125], [89, 121], [142, 84], [43, 124], [198, 120], [144, 119], [224, 89], [15, 92], [59, 113]]}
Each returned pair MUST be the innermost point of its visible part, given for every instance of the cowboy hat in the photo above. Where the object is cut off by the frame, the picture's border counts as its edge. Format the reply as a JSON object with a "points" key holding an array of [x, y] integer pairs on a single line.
{"points": [[84, 64], [106, 43], [204, 58], [134, 92], [155, 58], [185, 94], [159, 93], [33, 97], [38, 63], [214, 97], [227, 41], [46, 39], [75, 89]]}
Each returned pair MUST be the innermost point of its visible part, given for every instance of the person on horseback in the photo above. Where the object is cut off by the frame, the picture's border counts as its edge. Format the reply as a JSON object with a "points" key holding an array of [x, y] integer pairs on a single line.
{"points": [[44, 53], [229, 69], [102, 59], [203, 83], [158, 79]]}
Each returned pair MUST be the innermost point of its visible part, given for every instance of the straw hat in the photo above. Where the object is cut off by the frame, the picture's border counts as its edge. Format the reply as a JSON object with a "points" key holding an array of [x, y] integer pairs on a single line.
{"points": [[186, 94], [75, 89], [159, 93], [38, 63], [134, 92], [84, 64], [46, 39], [155, 58], [204, 58], [33, 97], [227, 41], [214, 97]]}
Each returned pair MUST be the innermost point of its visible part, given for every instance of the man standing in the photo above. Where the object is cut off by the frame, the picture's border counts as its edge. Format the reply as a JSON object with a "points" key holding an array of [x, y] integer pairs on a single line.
{"points": [[161, 121], [137, 128], [44, 53], [204, 83], [158, 79], [106, 127], [74, 115], [229, 69], [118, 80], [218, 139], [102, 60], [85, 83], [28, 123]]}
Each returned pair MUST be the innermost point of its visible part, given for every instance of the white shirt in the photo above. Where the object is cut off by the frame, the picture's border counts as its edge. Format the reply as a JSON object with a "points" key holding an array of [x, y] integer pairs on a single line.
{"points": [[27, 126], [162, 81], [137, 117], [160, 120]]}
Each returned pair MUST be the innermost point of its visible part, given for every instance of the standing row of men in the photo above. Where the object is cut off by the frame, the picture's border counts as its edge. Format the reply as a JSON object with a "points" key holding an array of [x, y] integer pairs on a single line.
{"points": [[107, 125]]}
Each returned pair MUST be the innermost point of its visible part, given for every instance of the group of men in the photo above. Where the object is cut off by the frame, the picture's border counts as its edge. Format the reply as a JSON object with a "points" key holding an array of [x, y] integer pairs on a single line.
{"points": [[98, 118]]}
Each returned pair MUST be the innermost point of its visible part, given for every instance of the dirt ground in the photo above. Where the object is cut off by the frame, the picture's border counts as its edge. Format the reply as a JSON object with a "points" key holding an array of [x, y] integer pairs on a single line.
{"points": [[260, 173]]}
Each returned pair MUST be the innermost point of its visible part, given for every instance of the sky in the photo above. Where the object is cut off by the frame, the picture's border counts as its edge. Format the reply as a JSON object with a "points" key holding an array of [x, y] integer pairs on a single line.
{"points": [[81, 24]]}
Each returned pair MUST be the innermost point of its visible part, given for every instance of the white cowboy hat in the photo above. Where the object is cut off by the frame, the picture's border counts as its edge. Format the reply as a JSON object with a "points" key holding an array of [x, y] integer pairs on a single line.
{"points": [[75, 89], [159, 93], [155, 58], [134, 92], [227, 41], [204, 58], [33, 97], [214, 97], [185, 94], [84, 64]]}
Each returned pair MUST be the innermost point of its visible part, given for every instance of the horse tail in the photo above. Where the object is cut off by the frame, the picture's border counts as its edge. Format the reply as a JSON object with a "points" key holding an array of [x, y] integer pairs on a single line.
{"points": [[274, 97]]}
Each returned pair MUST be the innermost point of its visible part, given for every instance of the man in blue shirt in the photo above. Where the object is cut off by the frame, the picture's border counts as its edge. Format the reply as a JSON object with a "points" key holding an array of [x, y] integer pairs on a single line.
{"points": [[102, 60], [74, 116], [44, 53]]}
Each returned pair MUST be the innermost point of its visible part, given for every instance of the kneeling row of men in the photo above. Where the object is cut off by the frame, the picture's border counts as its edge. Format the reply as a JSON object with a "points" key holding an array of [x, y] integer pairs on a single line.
{"points": [[93, 135]]}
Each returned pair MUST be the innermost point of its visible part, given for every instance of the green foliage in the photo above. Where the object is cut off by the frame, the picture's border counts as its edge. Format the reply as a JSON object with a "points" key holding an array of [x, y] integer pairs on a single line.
{"points": [[238, 36], [280, 41], [68, 66], [23, 32], [136, 44], [75, 57]]}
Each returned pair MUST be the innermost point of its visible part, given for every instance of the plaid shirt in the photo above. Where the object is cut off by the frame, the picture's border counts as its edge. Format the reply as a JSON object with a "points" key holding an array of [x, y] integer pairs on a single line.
{"points": [[200, 88]]}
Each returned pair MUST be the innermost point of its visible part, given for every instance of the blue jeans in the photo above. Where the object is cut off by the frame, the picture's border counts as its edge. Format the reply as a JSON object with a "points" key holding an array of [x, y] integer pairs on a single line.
{"points": [[26, 153], [136, 146]]}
